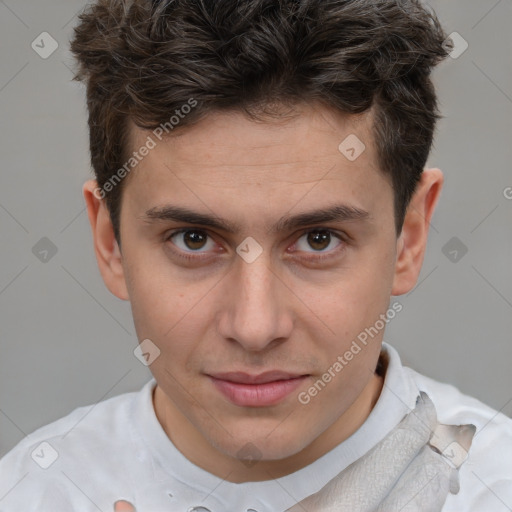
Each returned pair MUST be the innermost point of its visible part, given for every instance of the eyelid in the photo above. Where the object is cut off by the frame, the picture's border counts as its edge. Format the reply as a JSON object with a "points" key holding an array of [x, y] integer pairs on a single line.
{"points": [[169, 235], [318, 256], [342, 237]]}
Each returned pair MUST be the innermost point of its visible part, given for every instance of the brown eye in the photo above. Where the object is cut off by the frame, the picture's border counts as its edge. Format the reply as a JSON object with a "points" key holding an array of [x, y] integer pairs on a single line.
{"points": [[191, 240], [319, 240], [194, 239]]}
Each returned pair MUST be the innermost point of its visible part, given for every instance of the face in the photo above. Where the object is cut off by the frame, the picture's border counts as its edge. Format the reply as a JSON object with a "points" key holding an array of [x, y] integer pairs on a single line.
{"points": [[270, 287]]}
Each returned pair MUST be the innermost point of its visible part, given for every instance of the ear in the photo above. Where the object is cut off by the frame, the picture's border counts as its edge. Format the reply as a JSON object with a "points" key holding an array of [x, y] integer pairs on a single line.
{"points": [[106, 248], [412, 241]]}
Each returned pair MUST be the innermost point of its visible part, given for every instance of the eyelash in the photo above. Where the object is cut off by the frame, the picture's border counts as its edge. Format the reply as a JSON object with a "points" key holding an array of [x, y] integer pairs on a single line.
{"points": [[321, 256]]}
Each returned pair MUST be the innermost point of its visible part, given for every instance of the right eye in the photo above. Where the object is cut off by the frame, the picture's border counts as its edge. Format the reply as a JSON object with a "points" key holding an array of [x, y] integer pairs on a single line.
{"points": [[190, 241]]}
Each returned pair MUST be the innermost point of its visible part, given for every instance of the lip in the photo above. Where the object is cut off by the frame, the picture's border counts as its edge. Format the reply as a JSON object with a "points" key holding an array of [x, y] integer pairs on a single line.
{"points": [[262, 378], [261, 390]]}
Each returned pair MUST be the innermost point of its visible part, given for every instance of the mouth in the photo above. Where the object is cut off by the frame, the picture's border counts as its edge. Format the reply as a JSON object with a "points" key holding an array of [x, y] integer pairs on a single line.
{"points": [[261, 390]]}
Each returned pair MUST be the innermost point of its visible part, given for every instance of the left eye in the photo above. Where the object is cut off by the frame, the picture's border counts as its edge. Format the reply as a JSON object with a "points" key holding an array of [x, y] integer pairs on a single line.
{"points": [[318, 240]]}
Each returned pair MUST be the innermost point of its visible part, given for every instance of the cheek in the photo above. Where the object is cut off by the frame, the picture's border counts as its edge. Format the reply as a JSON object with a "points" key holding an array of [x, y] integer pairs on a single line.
{"points": [[352, 298], [170, 313], [160, 292], [351, 306], [151, 303], [152, 287], [369, 286]]}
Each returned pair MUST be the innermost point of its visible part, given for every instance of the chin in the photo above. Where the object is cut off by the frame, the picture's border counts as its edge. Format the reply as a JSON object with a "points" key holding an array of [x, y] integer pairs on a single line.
{"points": [[263, 446]]}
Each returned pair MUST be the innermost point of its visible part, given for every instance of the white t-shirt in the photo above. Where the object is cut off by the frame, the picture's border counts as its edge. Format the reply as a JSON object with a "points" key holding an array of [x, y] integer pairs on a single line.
{"points": [[117, 450]]}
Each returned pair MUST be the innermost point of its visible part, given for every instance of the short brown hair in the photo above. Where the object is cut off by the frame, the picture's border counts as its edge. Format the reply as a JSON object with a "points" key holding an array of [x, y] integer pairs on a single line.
{"points": [[142, 60]]}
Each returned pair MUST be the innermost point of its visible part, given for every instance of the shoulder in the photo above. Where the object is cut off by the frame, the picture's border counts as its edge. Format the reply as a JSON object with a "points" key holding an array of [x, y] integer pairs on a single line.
{"points": [[486, 474], [87, 422], [40, 465], [454, 407]]}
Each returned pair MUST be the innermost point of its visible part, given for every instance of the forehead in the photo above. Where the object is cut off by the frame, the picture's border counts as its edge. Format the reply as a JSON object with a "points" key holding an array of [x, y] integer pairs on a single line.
{"points": [[227, 155], [309, 132]]}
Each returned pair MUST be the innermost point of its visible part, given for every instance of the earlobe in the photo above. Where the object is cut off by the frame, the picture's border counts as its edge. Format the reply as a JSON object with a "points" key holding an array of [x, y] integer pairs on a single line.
{"points": [[106, 248], [412, 242]]}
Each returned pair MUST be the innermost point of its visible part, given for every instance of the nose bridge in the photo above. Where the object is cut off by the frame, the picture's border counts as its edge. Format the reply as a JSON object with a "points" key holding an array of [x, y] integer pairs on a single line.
{"points": [[257, 281], [254, 315]]}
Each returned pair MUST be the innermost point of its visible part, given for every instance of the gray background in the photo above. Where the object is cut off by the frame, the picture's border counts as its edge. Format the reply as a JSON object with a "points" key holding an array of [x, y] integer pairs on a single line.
{"points": [[66, 342]]}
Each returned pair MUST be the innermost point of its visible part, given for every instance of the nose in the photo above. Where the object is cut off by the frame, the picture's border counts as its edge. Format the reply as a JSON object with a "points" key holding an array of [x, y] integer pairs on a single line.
{"points": [[257, 309]]}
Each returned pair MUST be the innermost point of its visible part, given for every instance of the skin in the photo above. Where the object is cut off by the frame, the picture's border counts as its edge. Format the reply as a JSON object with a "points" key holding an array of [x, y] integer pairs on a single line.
{"points": [[123, 506], [288, 309]]}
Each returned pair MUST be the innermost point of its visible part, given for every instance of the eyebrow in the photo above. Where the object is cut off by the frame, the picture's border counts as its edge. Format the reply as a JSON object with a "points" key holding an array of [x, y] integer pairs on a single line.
{"points": [[335, 213]]}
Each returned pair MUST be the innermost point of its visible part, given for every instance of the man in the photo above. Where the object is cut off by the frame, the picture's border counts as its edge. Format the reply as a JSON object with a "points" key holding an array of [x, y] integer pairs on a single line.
{"points": [[260, 195]]}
